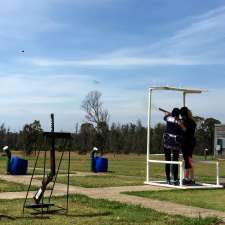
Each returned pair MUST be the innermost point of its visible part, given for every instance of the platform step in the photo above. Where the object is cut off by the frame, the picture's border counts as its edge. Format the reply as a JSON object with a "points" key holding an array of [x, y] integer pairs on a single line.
{"points": [[39, 206]]}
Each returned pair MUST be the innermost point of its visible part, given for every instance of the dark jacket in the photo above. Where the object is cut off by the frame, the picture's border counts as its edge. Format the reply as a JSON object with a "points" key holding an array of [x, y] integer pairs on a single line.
{"points": [[189, 134], [173, 133]]}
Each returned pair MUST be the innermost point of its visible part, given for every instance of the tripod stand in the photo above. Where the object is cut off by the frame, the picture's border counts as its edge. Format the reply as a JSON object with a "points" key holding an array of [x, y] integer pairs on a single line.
{"points": [[40, 205]]}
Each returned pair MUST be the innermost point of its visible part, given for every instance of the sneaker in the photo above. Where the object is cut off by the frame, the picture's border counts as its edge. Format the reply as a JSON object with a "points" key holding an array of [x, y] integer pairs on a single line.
{"points": [[188, 182], [176, 182], [192, 182], [168, 182], [185, 181]]}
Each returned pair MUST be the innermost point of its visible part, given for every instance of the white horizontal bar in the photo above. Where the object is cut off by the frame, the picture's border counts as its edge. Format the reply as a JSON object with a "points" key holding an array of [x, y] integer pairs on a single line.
{"points": [[162, 154], [201, 185], [166, 162], [186, 90], [156, 155], [208, 162]]}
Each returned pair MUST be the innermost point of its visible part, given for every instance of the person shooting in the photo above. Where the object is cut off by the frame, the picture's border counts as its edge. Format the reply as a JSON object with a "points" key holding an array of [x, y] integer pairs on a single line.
{"points": [[188, 144], [172, 142]]}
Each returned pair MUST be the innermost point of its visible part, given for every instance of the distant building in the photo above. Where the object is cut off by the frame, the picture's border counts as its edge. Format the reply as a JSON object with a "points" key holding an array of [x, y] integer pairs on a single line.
{"points": [[219, 141]]}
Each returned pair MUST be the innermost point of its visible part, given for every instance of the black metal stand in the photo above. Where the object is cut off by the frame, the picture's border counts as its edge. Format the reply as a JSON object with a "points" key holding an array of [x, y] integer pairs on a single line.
{"points": [[43, 207]]}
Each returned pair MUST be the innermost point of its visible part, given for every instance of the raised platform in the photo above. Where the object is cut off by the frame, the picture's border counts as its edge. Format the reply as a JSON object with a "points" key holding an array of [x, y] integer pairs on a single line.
{"points": [[185, 187]]}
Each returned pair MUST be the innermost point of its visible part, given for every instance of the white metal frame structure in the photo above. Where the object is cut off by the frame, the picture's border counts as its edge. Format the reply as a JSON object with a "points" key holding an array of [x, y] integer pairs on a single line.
{"points": [[184, 91]]}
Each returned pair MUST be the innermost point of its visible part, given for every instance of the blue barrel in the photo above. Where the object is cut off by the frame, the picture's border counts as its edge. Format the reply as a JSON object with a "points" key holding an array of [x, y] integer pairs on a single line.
{"points": [[101, 164], [18, 166]]}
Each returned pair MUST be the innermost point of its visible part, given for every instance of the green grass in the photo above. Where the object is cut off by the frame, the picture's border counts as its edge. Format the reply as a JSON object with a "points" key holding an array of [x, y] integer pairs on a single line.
{"points": [[102, 181], [134, 165], [209, 199], [119, 165], [124, 170], [84, 210], [128, 165], [131, 165], [6, 186], [2, 165]]}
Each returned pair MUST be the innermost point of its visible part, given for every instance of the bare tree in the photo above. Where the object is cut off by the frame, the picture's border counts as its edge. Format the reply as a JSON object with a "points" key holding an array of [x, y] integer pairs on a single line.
{"points": [[92, 105], [95, 113]]}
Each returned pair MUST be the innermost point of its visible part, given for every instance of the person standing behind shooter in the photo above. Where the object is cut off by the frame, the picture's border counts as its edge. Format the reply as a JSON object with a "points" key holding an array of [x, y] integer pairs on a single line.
{"points": [[172, 143], [188, 144]]}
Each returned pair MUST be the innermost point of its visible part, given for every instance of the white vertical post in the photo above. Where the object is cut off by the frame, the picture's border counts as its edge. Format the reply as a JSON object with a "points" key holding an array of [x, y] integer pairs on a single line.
{"points": [[184, 98], [182, 166], [215, 142], [148, 132], [217, 174], [181, 173]]}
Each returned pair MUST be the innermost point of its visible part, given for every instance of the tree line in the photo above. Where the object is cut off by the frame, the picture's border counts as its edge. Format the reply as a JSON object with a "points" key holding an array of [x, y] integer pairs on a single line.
{"points": [[115, 138]]}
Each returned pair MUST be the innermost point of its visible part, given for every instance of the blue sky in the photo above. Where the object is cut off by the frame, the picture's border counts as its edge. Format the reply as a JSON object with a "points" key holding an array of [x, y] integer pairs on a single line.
{"points": [[124, 45]]}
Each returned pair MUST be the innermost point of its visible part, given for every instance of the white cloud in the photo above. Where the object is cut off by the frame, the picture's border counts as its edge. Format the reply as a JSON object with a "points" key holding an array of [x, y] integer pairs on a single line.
{"points": [[111, 62], [199, 43], [26, 98], [42, 85], [29, 97]]}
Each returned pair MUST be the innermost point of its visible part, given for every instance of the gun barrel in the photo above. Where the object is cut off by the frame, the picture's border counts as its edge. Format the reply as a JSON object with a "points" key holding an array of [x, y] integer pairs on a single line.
{"points": [[163, 110]]}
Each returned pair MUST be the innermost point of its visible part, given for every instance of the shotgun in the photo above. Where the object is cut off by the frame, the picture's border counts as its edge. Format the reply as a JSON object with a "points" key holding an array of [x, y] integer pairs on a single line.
{"points": [[38, 196], [163, 110]]}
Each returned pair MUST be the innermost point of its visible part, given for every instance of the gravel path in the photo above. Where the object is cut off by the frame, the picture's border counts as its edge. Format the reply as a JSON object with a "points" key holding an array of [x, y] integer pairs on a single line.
{"points": [[115, 194]]}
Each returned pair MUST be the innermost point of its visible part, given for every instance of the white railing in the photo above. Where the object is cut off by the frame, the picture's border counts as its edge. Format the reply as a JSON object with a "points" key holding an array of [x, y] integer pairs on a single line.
{"points": [[217, 169], [179, 163], [181, 170]]}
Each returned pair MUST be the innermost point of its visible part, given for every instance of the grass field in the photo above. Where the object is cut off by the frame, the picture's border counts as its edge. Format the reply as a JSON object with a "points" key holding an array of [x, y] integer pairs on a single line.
{"points": [[102, 181], [209, 199], [6, 186], [84, 210], [123, 170], [132, 166], [2, 165]]}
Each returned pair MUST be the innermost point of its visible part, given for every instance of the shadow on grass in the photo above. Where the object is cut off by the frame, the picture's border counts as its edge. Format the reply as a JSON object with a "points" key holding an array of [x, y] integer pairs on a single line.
{"points": [[90, 215], [8, 218], [5, 217], [37, 215]]}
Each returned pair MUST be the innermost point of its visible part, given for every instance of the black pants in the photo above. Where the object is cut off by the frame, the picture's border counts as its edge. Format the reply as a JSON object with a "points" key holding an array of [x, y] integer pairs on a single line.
{"points": [[187, 151], [168, 166]]}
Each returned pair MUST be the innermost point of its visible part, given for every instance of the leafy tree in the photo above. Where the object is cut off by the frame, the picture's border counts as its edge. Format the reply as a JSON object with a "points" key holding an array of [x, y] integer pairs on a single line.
{"points": [[125, 138], [157, 138], [87, 134], [199, 121], [205, 134], [116, 142], [101, 138], [31, 134], [141, 138], [3, 135]]}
